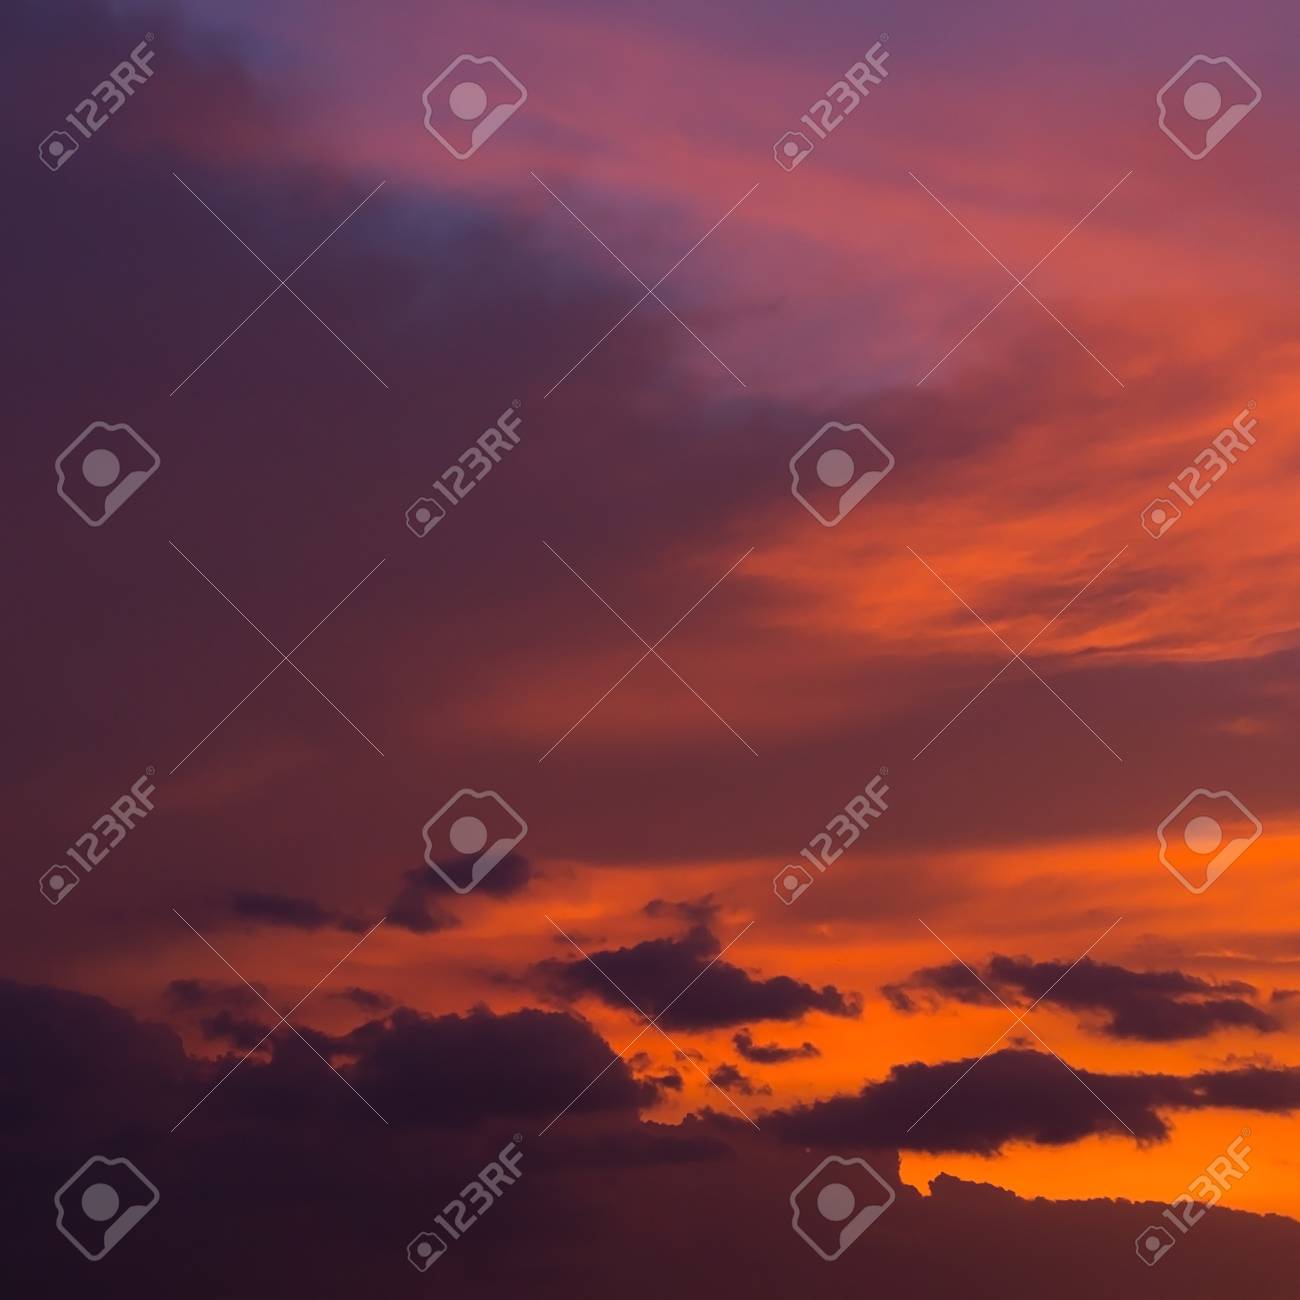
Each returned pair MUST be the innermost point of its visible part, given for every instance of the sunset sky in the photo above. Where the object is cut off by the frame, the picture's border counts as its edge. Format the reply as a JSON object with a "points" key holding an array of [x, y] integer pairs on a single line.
{"points": [[1001, 267]]}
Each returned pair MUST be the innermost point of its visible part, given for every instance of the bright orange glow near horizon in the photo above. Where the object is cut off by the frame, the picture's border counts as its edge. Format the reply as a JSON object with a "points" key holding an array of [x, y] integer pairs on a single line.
{"points": [[648, 680]]}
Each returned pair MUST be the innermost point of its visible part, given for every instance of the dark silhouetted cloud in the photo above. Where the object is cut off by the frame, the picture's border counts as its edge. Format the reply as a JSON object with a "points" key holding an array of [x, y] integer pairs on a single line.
{"points": [[770, 1053], [699, 911], [656, 972], [292, 913], [1024, 1096], [416, 909], [239, 1031], [525, 1063], [366, 999], [1152, 1006], [282, 1131], [199, 995], [670, 1079], [729, 1076]]}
